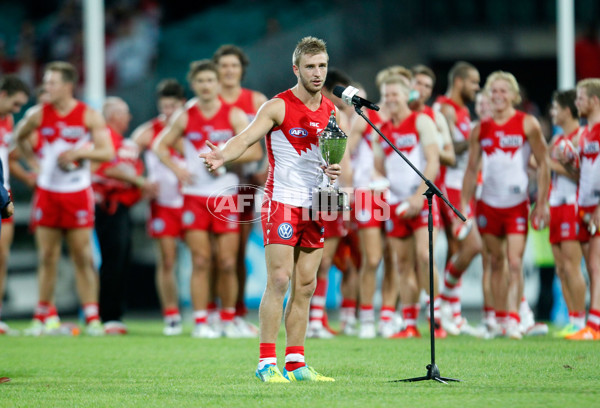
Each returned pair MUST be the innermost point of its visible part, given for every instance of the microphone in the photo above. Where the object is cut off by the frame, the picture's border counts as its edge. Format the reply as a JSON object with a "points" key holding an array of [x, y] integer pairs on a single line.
{"points": [[350, 97]]}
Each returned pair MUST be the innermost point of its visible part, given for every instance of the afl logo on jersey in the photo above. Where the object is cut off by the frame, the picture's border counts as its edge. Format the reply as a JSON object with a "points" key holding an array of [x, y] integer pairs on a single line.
{"points": [[298, 132], [285, 230]]}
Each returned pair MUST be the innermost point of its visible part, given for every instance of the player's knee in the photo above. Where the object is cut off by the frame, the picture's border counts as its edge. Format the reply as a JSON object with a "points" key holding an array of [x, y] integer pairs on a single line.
{"points": [[279, 282], [515, 263], [200, 260], [306, 288], [227, 265]]}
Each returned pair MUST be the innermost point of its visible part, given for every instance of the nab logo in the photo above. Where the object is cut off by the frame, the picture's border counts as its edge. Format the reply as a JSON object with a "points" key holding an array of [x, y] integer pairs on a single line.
{"points": [[298, 132], [285, 230]]}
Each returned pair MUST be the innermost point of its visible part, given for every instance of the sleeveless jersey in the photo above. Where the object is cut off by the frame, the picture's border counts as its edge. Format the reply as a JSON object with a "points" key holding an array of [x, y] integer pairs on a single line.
{"points": [[404, 182], [589, 179], [293, 152], [244, 102], [505, 152], [460, 133], [200, 129], [58, 134], [6, 140], [362, 158], [169, 191], [563, 190]]}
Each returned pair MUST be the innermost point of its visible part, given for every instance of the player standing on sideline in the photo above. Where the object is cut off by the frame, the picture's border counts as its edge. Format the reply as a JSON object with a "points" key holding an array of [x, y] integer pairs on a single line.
{"points": [[564, 224], [117, 185], [164, 224], [588, 105], [232, 63], [293, 242], [14, 93], [210, 200], [502, 145], [70, 135]]}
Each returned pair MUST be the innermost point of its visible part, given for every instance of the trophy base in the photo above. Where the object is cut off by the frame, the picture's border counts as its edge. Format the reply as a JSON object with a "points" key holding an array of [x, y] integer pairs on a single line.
{"points": [[329, 201]]}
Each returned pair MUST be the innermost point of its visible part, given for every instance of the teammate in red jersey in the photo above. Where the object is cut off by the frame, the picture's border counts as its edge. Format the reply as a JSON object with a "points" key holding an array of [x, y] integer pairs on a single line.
{"points": [[164, 223], [588, 106], [293, 241], [14, 93], [232, 63], [210, 200], [70, 135], [502, 145]]}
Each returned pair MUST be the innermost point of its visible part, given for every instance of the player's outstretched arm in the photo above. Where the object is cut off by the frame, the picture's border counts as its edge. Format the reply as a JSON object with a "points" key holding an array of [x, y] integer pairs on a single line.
{"points": [[470, 177]]}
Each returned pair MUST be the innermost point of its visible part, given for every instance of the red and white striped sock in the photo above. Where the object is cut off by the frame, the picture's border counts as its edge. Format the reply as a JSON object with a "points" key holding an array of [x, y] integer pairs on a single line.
{"points": [[267, 355], [451, 289], [294, 357], [317, 304], [524, 306], [501, 318], [240, 309], [366, 314], [386, 314], [41, 311], [410, 314], [594, 319], [348, 310], [514, 318], [577, 319], [90, 311], [171, 314], [200, 316], [437, 304], [227, 314]]}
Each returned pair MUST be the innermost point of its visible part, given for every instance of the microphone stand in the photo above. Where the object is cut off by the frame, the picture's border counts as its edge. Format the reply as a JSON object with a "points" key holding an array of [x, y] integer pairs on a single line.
{"points": [[433, 372]]}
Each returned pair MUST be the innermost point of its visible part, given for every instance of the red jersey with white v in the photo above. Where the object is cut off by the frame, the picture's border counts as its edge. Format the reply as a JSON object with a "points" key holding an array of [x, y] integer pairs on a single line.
{"points": [[589, 180], [198, 131], [244, 102], [169, 190], [57, 135], [563, 190], [362, 158], [505, 153], [460, 133], [6, 139], [293, 152], [404, 182]]}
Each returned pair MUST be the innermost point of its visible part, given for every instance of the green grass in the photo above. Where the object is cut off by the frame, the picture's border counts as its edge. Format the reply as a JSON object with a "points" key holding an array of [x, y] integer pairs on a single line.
{"points": [[145, 369]]}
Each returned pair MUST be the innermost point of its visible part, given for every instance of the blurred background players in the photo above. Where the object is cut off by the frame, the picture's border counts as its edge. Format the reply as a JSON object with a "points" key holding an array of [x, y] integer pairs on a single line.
{"points": [[70, 135], [164, 222]]}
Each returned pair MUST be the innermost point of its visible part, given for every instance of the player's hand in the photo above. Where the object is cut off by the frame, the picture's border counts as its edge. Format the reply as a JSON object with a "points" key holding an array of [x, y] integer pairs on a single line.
{"points": [[332, 171], [8, 211], [67, 159], [149, 189], [184, 176], [415, 203], [540, 217], [213, 159], [596, 217]]}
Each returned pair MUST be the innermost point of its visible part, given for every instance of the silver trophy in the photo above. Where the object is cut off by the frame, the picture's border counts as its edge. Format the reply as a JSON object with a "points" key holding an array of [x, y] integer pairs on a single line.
{"points": [[332, 144]]}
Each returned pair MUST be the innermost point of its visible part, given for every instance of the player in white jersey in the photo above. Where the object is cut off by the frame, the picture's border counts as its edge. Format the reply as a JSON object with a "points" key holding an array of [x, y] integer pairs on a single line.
{"points": [[164, 224], [70, 135]]}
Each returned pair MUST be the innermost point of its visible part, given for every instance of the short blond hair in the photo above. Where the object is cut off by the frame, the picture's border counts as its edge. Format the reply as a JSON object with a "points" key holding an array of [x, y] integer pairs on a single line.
{"points": [[397, 80], [591, 86], [509, 78], [394, 70], [309, 46]]}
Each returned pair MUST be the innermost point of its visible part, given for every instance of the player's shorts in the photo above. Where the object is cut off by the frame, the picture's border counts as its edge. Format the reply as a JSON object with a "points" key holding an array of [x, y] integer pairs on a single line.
{"points": [[370, 210], [502, 221], [293, 226], [564, 224], [164, 221], [584, 233], [398, 227], [63, 210], [215, 214], [446, 213], [348, 250], [335, 228]]}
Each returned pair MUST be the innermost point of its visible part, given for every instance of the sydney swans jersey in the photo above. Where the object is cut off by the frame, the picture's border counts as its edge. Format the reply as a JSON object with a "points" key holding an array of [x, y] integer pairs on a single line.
{"points": [[198, 131], [57, 135], [362, 158], [404, 182], [6, 140], [293, 152], [563, 190], [589, 180], [169, 191], [505, 151], [244, 102], [460, 133]]}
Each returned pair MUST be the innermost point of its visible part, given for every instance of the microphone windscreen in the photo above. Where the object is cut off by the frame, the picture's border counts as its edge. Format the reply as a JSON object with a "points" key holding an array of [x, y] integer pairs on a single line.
{"points": [[338, 91]]}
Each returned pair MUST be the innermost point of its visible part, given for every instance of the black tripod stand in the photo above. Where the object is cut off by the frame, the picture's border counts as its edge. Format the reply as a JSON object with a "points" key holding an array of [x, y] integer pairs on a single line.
{"points": [[433, 372]]}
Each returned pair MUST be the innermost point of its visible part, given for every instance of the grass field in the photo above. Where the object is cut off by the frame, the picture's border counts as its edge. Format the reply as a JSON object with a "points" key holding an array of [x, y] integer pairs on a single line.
{"points": [[146, 369]]}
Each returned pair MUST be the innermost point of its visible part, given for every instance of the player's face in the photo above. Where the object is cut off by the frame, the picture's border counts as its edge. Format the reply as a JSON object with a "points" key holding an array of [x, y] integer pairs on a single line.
{"points": [[502, 95], [470, 86], [13, 103], [167, 105], [394, 97], [483, 107], [55, 86], [558, 114], [423, 84], [206, 85], [583, 103], [121, 117], [230, 70], [312, 72]]}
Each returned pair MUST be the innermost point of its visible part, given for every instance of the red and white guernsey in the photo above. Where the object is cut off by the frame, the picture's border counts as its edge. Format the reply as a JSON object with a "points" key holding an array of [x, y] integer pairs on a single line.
{"points": [[293, 152], [404, 182], [589, 180], [563, 190], [58, 134], [198, 131], [245, 102], [362, 158], [6, 140], [169, 191], [460, 133], [505, 151]]}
